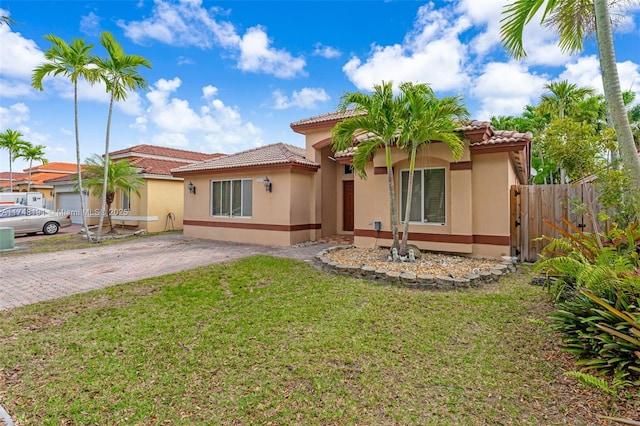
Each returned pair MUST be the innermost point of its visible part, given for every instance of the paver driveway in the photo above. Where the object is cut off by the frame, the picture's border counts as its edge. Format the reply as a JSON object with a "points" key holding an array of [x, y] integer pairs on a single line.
{"points": [[43, 276]]}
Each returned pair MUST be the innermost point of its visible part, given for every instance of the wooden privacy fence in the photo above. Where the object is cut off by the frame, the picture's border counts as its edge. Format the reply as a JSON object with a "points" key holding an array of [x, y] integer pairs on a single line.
{"points": [[533, 205]]}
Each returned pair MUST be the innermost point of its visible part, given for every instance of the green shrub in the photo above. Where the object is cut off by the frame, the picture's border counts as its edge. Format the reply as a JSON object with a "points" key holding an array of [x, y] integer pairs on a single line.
{"points": [[603, 265], [603, 334], [597, 280]]}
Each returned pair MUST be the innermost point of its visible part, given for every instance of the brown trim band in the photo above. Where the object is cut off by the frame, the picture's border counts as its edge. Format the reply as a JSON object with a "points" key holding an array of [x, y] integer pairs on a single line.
{"points": [[494, 240], [437, 238], [462, 165], [250, 225], [380, 170]]}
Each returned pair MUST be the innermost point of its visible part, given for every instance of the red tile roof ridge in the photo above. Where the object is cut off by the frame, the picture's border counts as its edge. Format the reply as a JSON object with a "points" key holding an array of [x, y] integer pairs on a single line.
{"points": [[276, 153], [153, 150], [329, 116], [54, 166]]}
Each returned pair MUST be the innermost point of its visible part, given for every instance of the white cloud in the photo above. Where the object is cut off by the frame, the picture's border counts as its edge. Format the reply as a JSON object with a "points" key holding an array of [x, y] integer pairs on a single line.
{"points": [[432, 46], [327, 52], [209, 91], [585, 71], [182, 60], [220, 126], [505, 88], [90, 24], [13, 116], [176, 140], [184, 23], [140, 124], [188, 23], [18, 57], [256, 54], [540, 43], [307, 98]]}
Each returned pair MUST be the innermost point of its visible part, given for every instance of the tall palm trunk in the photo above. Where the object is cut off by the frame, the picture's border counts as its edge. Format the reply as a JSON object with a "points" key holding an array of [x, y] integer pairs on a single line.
{"points": [[83, 206], [613, 96], [29, 181], [407, 210], [103, 203], [392, 199], [10, 172]]}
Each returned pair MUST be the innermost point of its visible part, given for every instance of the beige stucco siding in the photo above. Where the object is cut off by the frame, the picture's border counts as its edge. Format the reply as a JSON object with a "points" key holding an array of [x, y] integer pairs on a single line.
{"points": [[491, 177], [279, 217]]}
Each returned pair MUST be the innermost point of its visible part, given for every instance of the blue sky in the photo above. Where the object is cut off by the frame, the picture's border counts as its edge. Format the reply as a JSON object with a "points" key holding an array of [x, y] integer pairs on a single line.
{"points": [[229, 76]]}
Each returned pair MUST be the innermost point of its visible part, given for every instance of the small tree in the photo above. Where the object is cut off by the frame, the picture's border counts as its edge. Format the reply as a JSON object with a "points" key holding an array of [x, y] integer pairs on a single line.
{"points": [[12, 141], [572, 19], [119, 72], [121, 176], [377, 122], [33, 153], [425, 118], [73, 61]]}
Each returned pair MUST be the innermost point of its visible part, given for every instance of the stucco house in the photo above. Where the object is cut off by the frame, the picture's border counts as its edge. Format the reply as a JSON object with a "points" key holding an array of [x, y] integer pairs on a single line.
{"points": [[281, 194], [40, 175], [160, 204]]}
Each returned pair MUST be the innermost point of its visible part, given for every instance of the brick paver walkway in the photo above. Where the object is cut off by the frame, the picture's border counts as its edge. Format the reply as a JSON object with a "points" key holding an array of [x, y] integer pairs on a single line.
{"points": [[43, 276]]}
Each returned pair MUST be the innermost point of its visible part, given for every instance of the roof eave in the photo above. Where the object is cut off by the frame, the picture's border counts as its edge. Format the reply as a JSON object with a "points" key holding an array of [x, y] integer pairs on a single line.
{"points": [[252, 168]]}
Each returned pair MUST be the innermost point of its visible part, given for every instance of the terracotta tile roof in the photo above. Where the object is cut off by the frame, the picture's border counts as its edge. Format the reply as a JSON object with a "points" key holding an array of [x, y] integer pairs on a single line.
{"points": [[54, 166], [64, 178], [275, 154], [155, 166], [15, 176], [41, 178], [336, 115], [504, 137], [475, 125], [162, 151]]}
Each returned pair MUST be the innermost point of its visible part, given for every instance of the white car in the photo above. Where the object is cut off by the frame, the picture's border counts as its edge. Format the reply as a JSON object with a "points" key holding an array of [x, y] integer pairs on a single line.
{"points": [[30, 220]]}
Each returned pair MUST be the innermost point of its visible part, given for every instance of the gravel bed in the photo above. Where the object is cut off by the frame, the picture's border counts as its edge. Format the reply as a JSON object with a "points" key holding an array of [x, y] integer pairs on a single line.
{"points": [[429, 264]]}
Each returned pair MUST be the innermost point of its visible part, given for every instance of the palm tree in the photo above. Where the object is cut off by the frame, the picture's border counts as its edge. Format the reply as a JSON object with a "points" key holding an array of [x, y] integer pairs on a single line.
{"points": [[33, 153], [12, 141], [426, 118], [377, 122], [119, 72], [6, 20], [121, 176], [572, 19], [73, 61], [564, 99]]}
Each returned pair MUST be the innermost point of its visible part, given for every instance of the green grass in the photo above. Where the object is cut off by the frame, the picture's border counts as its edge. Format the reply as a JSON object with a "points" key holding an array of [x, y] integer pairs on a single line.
{"points": [[273, 341]]}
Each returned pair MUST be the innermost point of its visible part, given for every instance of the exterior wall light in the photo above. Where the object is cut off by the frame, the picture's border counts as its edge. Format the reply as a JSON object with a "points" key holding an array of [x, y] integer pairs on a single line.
{"points": [[85, 192], [191, 187], [267, 184]]}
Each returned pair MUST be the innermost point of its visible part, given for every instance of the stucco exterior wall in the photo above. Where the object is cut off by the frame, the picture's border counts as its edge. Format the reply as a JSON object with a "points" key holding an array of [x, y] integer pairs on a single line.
{"points": [[492, 174], [279, 217], [165, 199], [372, 202]]}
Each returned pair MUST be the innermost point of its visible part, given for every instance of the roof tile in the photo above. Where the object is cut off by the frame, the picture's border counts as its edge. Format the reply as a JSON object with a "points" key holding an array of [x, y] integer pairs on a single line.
{"points": [[278, 153], [166, 152]]}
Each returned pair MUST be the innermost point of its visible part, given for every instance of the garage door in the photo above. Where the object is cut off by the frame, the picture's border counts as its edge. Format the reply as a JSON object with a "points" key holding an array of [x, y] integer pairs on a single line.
{"points": [[70, 204]]}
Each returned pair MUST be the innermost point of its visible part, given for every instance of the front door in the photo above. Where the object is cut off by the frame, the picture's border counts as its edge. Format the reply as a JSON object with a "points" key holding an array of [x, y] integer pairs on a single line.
{"points": [[347, 205]]}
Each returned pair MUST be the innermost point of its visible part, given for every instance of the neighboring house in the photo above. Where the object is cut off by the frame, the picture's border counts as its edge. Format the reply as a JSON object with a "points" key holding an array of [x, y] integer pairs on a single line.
{"points": [[39, 177], [281, 194], [4, 180], [160, 204]]}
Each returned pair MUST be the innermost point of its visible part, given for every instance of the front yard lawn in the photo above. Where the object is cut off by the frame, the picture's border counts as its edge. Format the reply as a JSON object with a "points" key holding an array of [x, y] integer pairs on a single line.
{"points": [[273, 341]]}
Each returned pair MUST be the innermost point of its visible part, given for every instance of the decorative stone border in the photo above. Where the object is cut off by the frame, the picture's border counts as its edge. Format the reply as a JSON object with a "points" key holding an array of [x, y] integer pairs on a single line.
{"points": [[409, 279]]}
